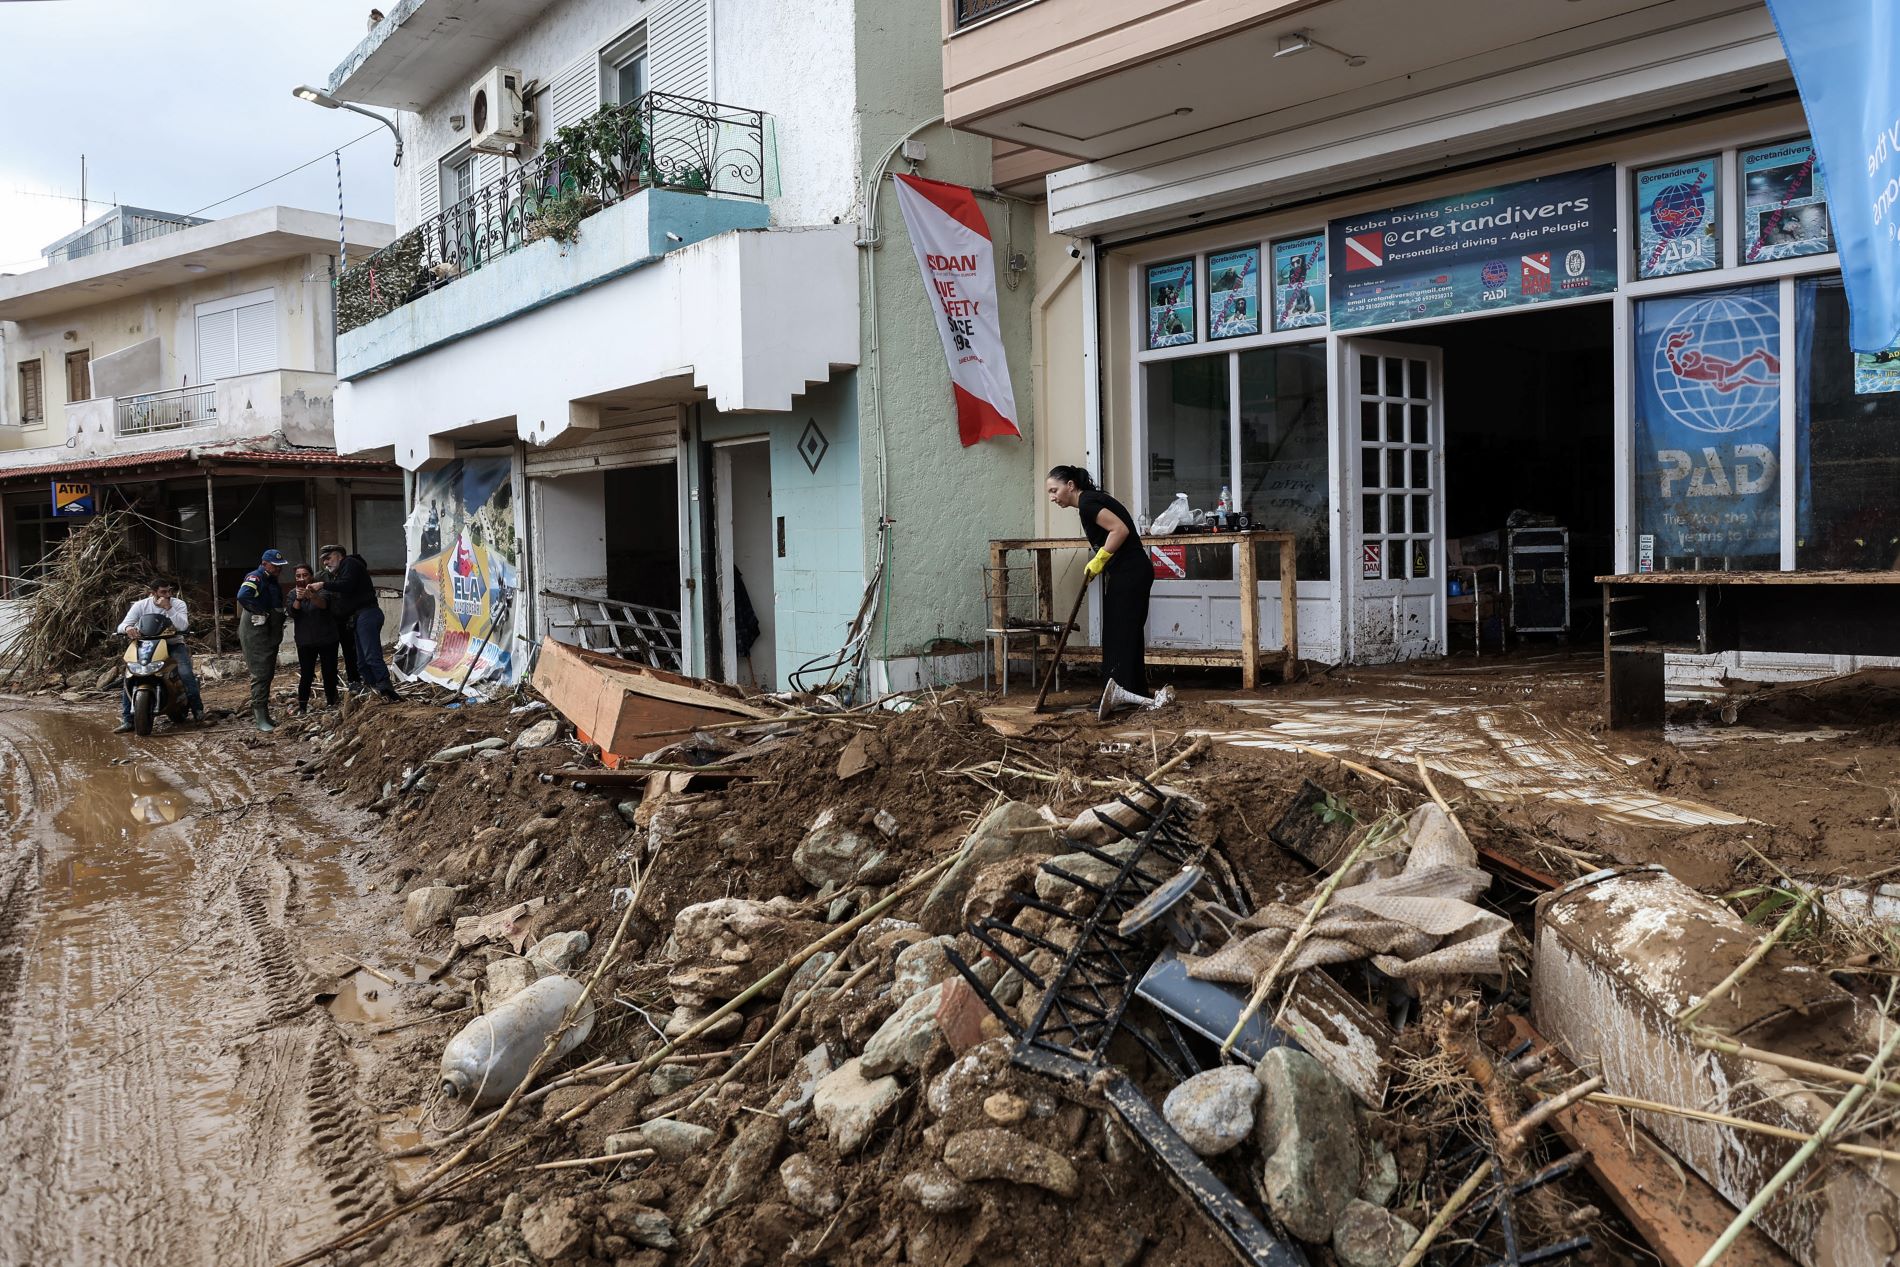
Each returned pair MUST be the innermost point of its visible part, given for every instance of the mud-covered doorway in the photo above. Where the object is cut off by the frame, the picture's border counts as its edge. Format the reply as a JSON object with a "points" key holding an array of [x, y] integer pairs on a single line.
{"points": [[750, 537], [1529, 442]]}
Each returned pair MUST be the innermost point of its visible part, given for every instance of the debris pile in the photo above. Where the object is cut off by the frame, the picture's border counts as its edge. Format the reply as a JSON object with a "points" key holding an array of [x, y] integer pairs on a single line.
{"points": [[880, 986], [72, 604]]}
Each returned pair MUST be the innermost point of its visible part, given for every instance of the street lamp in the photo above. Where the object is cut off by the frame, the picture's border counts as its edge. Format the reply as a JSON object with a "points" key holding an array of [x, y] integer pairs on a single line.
{"points": [[304, 92]]}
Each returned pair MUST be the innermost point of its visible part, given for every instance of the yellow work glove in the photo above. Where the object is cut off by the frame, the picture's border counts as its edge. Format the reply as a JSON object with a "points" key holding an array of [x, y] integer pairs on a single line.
{"points": [[1095, 565]]}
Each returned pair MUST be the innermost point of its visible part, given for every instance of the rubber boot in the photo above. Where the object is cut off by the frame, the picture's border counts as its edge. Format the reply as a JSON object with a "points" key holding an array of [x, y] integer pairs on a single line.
{"points": [[262, 717]]}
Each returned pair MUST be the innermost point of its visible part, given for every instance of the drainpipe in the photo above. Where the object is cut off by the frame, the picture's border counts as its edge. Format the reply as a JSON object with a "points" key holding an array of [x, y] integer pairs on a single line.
{"points": [[211, 535]]}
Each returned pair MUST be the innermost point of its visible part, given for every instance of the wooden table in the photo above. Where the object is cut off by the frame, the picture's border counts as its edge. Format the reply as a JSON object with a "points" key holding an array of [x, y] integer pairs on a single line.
{"points": [[1648, 615], [1248, 656]]}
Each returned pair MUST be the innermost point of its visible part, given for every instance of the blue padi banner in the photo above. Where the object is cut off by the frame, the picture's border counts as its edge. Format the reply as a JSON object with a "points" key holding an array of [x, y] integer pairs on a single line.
{"points": [[1844, 53], [1708, 422], [1525, 243]]}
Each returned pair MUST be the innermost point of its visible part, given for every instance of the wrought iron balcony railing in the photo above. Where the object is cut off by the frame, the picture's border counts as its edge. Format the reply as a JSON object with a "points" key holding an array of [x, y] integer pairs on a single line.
{"points": [[969, 11], [659, 141], [175, 410]]}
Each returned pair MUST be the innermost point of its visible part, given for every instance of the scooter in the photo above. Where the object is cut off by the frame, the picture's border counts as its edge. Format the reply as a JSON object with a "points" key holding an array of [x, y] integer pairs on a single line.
{"points": [[151, 676]]}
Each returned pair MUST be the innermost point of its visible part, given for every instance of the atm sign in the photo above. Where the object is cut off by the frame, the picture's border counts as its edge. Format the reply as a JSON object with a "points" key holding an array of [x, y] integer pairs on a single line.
{"points": [[72, 499]]}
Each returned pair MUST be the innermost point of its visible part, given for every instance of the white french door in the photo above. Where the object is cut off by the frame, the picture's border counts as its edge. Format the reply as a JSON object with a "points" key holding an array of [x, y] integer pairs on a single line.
{"points": [[1395, 394]]}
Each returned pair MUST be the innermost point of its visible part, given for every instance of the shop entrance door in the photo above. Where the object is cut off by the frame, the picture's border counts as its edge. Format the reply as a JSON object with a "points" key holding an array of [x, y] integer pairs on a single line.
{"points": [[1397, 408]]}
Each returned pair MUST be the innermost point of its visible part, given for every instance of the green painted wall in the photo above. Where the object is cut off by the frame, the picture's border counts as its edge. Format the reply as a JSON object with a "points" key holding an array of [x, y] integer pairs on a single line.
{"points": [[947, 501]]}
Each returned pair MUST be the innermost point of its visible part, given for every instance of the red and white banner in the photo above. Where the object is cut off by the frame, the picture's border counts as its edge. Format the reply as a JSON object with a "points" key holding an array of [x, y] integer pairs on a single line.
{"points": [[959, 266]]}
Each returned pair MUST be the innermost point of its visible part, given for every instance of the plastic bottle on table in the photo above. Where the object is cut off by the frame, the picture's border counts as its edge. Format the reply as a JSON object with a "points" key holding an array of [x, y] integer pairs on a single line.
{"points": [[1222, 510], [492, 1054]]}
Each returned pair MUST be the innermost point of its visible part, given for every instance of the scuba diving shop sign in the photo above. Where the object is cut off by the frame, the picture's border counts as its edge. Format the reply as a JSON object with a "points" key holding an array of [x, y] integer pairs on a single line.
{"points": [[1708, 422], [1525, 243]]}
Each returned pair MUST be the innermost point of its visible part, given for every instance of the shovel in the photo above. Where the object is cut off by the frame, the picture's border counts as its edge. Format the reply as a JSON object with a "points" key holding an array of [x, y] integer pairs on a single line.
{"points": [[1062, 641], [496, 614]]}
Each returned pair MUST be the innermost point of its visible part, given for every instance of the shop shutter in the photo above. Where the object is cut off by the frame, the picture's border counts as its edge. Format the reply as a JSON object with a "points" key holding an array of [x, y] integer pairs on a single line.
{"points": [[650, 437], [575, 94], [680, 48], [217, 345], [256, 338]]}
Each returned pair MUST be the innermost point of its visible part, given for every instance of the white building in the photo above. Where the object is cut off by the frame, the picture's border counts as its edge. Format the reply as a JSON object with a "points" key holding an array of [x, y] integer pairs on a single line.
{"points": [[186, 368], [675, 353]]}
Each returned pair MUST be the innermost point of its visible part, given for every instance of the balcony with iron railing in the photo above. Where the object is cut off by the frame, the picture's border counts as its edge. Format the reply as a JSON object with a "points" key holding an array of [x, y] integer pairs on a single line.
{"points": [[152, 413], [702, 168]]}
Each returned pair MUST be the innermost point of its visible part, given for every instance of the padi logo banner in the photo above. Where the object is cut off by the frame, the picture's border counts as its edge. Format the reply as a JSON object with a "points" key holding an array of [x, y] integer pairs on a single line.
{"points": [[1530, 242], [1708, 422]]}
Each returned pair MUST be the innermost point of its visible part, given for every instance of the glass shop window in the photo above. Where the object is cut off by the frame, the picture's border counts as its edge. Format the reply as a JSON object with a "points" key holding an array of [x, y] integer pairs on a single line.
{"points": [[1190, 450], [1283, 481], [1847, 432]]}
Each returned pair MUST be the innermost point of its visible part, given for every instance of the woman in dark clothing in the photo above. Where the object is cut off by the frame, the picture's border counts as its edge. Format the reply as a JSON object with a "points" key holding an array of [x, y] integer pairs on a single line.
{"points": [[317, 638], [1127, 577]]}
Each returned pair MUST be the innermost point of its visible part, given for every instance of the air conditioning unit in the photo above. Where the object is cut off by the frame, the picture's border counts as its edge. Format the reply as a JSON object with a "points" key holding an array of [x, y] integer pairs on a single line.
{"points": [[495, 116]]}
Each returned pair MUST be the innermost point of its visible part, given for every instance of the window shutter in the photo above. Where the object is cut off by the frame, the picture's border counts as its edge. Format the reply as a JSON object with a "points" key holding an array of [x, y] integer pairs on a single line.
{"points": [[32, 397], [679, 49], [575, 94], [217, 345], [487, 169], [428, 193], [256, 338]]}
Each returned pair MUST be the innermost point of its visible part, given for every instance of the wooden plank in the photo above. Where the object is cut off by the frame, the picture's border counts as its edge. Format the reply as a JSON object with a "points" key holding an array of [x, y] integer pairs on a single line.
{"points": [[1178, 538], [1633, 687], [1754, 578], [611, 702], [1289, 609], [1670, 1206], [1248, 569], [1203, 657], [999, 607]]}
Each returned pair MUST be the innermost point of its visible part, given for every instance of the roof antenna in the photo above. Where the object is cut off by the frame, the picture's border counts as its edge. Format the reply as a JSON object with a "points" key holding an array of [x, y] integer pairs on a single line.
{"points": [[82, 189]]}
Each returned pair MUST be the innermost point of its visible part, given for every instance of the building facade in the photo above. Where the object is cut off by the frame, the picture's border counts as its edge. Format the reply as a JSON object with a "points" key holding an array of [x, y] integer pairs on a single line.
{"points": [[185, 370], [676, 296], [1419, 290]]}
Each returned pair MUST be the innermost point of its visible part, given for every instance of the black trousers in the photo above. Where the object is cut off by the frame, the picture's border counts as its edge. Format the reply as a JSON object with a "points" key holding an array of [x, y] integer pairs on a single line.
{"points": [[308, 658], [349, 656], [1124, 626]]}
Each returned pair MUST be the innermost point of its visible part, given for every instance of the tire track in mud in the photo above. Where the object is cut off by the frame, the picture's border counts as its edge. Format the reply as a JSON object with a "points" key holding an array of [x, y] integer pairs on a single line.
{"points": [[173, 1093]]}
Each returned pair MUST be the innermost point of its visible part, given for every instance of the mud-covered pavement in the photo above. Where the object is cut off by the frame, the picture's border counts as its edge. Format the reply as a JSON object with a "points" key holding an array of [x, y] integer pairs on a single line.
{"points": [[171, 1089]]}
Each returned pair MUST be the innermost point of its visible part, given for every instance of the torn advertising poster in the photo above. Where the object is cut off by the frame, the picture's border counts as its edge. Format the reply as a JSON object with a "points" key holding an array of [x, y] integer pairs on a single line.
{"points": [[460, 611]]}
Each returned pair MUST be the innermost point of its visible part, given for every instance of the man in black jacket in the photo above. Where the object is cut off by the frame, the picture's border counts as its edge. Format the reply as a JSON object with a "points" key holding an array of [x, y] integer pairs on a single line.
{"points": [[352, 600]]}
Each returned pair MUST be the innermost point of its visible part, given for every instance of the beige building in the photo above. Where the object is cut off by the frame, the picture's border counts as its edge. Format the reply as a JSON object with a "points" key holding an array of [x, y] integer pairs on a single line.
{"points": [[1420, 284], [186, 369]]}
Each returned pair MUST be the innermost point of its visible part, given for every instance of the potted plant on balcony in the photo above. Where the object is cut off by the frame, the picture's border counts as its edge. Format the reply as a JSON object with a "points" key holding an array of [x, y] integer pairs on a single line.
{"points": [[587, 164]]}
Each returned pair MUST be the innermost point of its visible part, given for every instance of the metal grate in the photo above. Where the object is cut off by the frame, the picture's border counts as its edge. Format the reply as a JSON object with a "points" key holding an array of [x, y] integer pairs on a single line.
{"points": [[650, 635], [969, 11]]}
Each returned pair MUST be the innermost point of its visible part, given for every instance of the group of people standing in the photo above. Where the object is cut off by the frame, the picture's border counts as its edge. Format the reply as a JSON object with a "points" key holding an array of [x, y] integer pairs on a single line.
{"points": [[333, 611]]}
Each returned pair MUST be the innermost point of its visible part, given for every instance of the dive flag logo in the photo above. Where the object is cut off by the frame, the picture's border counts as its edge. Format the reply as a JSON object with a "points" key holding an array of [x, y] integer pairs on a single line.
{"points": [[1536, 273], [1365, 250]]}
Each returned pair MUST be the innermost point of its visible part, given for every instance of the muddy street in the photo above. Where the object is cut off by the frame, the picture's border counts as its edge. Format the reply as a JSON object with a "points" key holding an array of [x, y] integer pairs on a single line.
{"points": [[173, 1093]]}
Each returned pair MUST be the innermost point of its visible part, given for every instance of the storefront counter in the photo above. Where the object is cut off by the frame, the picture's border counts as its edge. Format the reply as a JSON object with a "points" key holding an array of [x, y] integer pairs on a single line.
{"points": [[1249, 656]]}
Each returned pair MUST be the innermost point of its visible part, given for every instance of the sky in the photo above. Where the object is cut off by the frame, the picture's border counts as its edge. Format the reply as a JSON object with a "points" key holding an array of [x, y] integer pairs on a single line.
{"points": [[176, 104]]}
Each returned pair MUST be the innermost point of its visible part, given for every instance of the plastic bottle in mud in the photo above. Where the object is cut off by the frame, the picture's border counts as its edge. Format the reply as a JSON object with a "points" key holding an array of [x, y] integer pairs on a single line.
{"points": [[493, 1053]]}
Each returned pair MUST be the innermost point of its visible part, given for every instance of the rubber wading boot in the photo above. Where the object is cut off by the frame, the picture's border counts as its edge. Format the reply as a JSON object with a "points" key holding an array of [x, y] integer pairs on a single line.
{"points": [[262, 718]]}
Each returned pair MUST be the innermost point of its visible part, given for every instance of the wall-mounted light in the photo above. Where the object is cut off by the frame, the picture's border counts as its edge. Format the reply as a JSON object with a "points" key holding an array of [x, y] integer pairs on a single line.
{"points": [[457, 122], [1299, 41], [194, 268], [304, 92]]}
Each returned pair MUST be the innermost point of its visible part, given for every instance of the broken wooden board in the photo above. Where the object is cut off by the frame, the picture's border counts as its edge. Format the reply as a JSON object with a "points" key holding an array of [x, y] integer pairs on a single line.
{"points": [[1670, 1206], [613, 703]]}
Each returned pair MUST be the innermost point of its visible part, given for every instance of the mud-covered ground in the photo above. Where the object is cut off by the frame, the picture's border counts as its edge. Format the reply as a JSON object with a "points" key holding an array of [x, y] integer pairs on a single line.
{"points": [[220, 1044]]}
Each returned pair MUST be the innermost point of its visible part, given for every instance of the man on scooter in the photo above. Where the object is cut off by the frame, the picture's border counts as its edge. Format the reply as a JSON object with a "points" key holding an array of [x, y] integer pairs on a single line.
{"points": [[162, 601]]}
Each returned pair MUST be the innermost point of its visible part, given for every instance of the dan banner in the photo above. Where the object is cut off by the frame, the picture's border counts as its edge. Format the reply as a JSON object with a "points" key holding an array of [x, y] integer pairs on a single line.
{"points": [[1844, 53], [461, 609], [1708, 424], [958, 260], [1525, 243]]}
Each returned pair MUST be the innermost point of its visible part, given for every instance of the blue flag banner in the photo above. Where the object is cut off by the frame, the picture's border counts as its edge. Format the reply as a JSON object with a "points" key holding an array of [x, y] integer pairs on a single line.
{"points": [[1844, 54]]}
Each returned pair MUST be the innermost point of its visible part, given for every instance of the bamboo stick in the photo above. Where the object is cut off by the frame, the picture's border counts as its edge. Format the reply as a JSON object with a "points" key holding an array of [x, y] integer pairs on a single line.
{"points": [[1545, 1110], [546, 1054], [1795, 1063], [1739, 1123], [653, 1058], [1688, 1015], [638, 1154], [1761, 1199], [1416, 1255]]}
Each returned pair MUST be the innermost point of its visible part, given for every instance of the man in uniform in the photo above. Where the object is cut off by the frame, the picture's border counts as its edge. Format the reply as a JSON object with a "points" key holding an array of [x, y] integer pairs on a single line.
{"points": [[261, 630]]}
